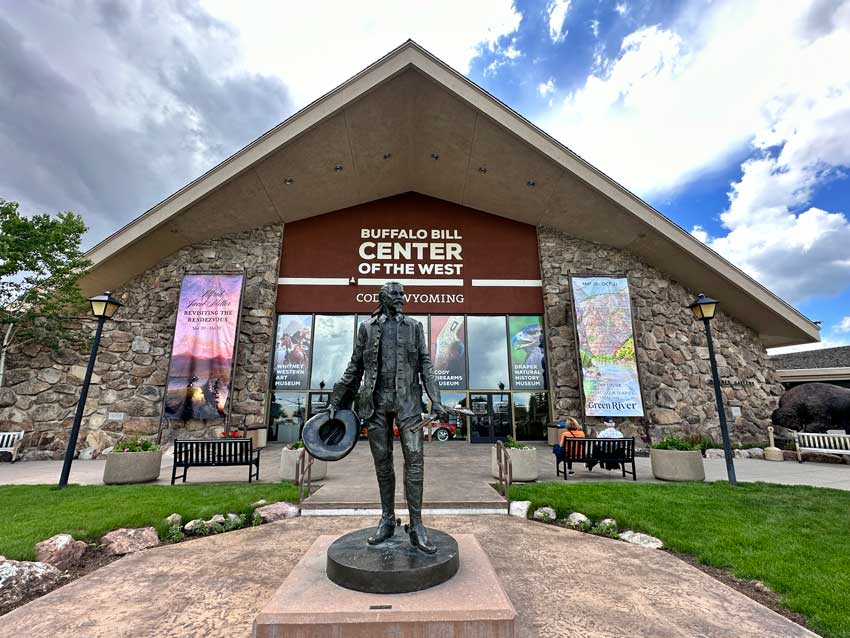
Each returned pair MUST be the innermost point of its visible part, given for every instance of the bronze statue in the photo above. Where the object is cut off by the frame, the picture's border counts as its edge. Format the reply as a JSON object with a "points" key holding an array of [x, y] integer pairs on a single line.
{"points": [[392, 358]]}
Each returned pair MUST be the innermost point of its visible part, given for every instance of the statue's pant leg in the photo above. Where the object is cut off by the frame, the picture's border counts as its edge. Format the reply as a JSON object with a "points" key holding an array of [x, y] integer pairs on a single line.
{"points": [[414, 466], [380, 432]]}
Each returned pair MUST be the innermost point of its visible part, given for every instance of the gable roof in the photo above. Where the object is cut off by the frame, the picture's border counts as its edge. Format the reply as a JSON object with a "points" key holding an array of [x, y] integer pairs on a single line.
{"points": [[411, 106]]}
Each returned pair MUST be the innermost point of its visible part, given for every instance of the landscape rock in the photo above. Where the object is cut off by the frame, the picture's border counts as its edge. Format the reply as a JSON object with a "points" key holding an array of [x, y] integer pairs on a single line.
{"points": [[216, 520], [608, 522], [193, 525], [715, 453], [233, 518], [129, 540], [19, 579], [756, 452], [61, 551], [87, 454], [520, 508], [277, 512], [644, 540], [577, 519], [544, 514], [259, 503], [174, 519]]}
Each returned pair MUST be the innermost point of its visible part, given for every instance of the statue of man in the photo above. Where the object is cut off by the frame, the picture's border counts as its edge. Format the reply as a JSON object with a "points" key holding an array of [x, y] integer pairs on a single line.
{"points": [[392, 357]]}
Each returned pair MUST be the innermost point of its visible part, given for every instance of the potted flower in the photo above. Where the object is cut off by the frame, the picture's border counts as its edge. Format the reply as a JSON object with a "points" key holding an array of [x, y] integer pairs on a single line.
{"points": [[289, 460], [676, 460], [132, 461], [523, 461]]}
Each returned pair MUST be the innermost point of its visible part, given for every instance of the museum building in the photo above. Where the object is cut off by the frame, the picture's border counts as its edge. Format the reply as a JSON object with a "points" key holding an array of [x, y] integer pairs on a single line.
{"points": [[544, 288]]}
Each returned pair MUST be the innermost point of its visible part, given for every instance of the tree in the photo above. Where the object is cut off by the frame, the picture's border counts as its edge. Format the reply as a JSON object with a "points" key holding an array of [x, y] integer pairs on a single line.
{"points": [[40, 268]]}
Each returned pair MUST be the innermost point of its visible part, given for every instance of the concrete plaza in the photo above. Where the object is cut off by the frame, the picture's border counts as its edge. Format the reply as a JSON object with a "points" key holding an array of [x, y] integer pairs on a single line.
{"points": [[454, 472], [562, 583]]}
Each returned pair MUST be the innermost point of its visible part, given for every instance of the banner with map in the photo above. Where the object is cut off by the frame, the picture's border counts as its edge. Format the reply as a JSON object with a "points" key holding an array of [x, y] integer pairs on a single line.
{"points": [[606, 342], [199, 373]]}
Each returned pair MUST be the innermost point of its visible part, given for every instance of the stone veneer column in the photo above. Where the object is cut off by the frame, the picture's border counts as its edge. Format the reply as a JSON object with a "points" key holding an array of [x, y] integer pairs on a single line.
{"points": [[42, 387], [670, 344]]}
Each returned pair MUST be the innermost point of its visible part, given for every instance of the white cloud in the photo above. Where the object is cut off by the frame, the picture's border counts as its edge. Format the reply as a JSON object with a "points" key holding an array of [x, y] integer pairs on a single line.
{"points": [[622, 8], [313, 47], [843, 325], [546, 88], [594, 28], [557, 11], [699, 232], [739, 77]]}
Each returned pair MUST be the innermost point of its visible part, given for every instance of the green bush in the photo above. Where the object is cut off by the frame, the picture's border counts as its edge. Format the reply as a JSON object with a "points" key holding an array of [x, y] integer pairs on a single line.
{"points": [[295, 445], [135, 445], [512, 444], [672, 443]]}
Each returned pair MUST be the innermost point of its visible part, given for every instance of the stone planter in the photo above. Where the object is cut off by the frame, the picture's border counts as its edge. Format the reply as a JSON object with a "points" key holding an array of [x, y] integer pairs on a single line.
{"points": [[258, 436], [677, 465], [288, 461], [523, 464], [132, 467]]}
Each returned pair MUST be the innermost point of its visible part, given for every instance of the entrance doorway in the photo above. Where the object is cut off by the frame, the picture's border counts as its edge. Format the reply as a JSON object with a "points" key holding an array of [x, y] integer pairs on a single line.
{"points": [[492, 416]]}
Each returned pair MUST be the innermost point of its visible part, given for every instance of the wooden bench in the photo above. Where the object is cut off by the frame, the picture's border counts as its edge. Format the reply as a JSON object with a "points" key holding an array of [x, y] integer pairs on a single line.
{"points": [[821, 443], [215, 453], [597, 451], [11, 442]]}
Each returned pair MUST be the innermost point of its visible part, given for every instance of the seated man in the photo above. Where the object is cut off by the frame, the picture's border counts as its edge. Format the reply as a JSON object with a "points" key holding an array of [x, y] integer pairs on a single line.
{"points": [[610, 432], [573, 431]]}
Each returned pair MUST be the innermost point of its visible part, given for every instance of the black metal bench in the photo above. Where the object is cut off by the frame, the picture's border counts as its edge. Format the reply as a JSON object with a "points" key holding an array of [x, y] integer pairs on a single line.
{"points": [[597, 451], [215, 453]]}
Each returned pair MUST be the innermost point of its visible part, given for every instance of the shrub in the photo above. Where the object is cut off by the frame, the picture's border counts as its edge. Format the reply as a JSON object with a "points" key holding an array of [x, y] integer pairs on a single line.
{"points": [[135, 445], [672, 443], [512, 444], [703, 442], [295, 445]]}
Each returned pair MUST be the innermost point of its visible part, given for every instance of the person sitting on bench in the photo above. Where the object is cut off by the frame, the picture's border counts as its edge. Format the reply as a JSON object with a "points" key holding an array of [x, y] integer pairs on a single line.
{"points": [[610, 432], [573, 431]]}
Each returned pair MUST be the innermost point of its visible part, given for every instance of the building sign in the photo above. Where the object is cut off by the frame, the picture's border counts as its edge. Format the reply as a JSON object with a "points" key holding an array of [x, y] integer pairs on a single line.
{"points": [[527, 360], [451, 259], [199, 373], [603, 320], [292, 352], [448, 352]]}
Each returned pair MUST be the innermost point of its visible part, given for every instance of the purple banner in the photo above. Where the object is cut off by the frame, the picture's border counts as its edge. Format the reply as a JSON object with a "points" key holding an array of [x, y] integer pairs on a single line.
{"points": [[199, 375]]}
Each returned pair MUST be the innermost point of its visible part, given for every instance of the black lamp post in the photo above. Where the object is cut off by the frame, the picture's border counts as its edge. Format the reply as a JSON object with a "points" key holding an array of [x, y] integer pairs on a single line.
{"points": [[103, 307], [704, 308]]}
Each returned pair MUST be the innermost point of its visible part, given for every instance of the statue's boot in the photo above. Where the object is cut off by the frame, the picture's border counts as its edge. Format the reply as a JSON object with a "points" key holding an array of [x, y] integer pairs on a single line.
{"points": [[416, 530], [386, 526]]}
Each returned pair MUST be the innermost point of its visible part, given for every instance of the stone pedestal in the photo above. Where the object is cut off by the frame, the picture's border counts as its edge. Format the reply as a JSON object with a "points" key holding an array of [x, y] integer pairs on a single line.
{"points": [[309, 605]]}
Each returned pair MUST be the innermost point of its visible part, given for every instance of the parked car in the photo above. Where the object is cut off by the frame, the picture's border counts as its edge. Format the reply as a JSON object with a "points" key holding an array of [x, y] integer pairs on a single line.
{"points": [[442, 431]]}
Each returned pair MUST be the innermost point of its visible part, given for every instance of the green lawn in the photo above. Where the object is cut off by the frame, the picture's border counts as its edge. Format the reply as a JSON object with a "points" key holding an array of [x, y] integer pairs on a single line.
{"points": [[795, 539], [32, 513]]}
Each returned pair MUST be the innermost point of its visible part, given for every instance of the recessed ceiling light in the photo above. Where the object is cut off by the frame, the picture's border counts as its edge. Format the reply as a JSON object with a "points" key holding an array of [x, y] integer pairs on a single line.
{"points": [[338, 168], [531, 183], [387, 155], [435, 156], [288, 181], [482, 169]]}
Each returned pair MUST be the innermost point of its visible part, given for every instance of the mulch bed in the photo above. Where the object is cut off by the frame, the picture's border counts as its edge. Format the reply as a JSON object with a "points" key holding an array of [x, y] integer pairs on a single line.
{"points": [[93, 559]]}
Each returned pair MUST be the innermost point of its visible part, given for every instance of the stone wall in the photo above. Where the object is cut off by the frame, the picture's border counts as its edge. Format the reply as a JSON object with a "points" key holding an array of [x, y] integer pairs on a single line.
{"points": [[671, 347], [41, 387]]}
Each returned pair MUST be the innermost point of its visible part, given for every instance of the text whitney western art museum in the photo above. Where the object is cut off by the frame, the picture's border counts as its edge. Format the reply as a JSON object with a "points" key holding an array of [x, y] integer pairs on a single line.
{"points": [[546, 289]]}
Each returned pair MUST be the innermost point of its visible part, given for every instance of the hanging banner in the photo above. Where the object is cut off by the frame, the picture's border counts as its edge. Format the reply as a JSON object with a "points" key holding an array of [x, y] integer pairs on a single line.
{"points": [[527, 361], [204, 347], [292, 352], [606, 343], [448, 352]]}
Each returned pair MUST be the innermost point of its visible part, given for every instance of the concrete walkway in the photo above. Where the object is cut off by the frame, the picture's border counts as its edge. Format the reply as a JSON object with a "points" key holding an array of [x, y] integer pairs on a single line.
{"points": [[454, 471], [215, 586]]}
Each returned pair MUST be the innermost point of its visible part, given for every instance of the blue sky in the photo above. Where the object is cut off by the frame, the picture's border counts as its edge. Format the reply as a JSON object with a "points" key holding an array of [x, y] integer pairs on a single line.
{"points": [[731, 118]]}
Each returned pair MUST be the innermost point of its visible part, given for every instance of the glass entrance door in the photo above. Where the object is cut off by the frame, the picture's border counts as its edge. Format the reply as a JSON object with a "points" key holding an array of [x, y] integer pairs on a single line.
{"points": [[492, 416]]}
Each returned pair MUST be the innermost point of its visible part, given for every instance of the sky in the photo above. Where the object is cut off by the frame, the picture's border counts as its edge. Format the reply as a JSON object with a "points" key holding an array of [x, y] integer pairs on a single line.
{"points": [[731, 118]]}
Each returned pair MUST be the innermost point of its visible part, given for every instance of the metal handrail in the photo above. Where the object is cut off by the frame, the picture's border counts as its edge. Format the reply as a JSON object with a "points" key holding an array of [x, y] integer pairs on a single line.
{"points": [[506, 471], [303, 467]]}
